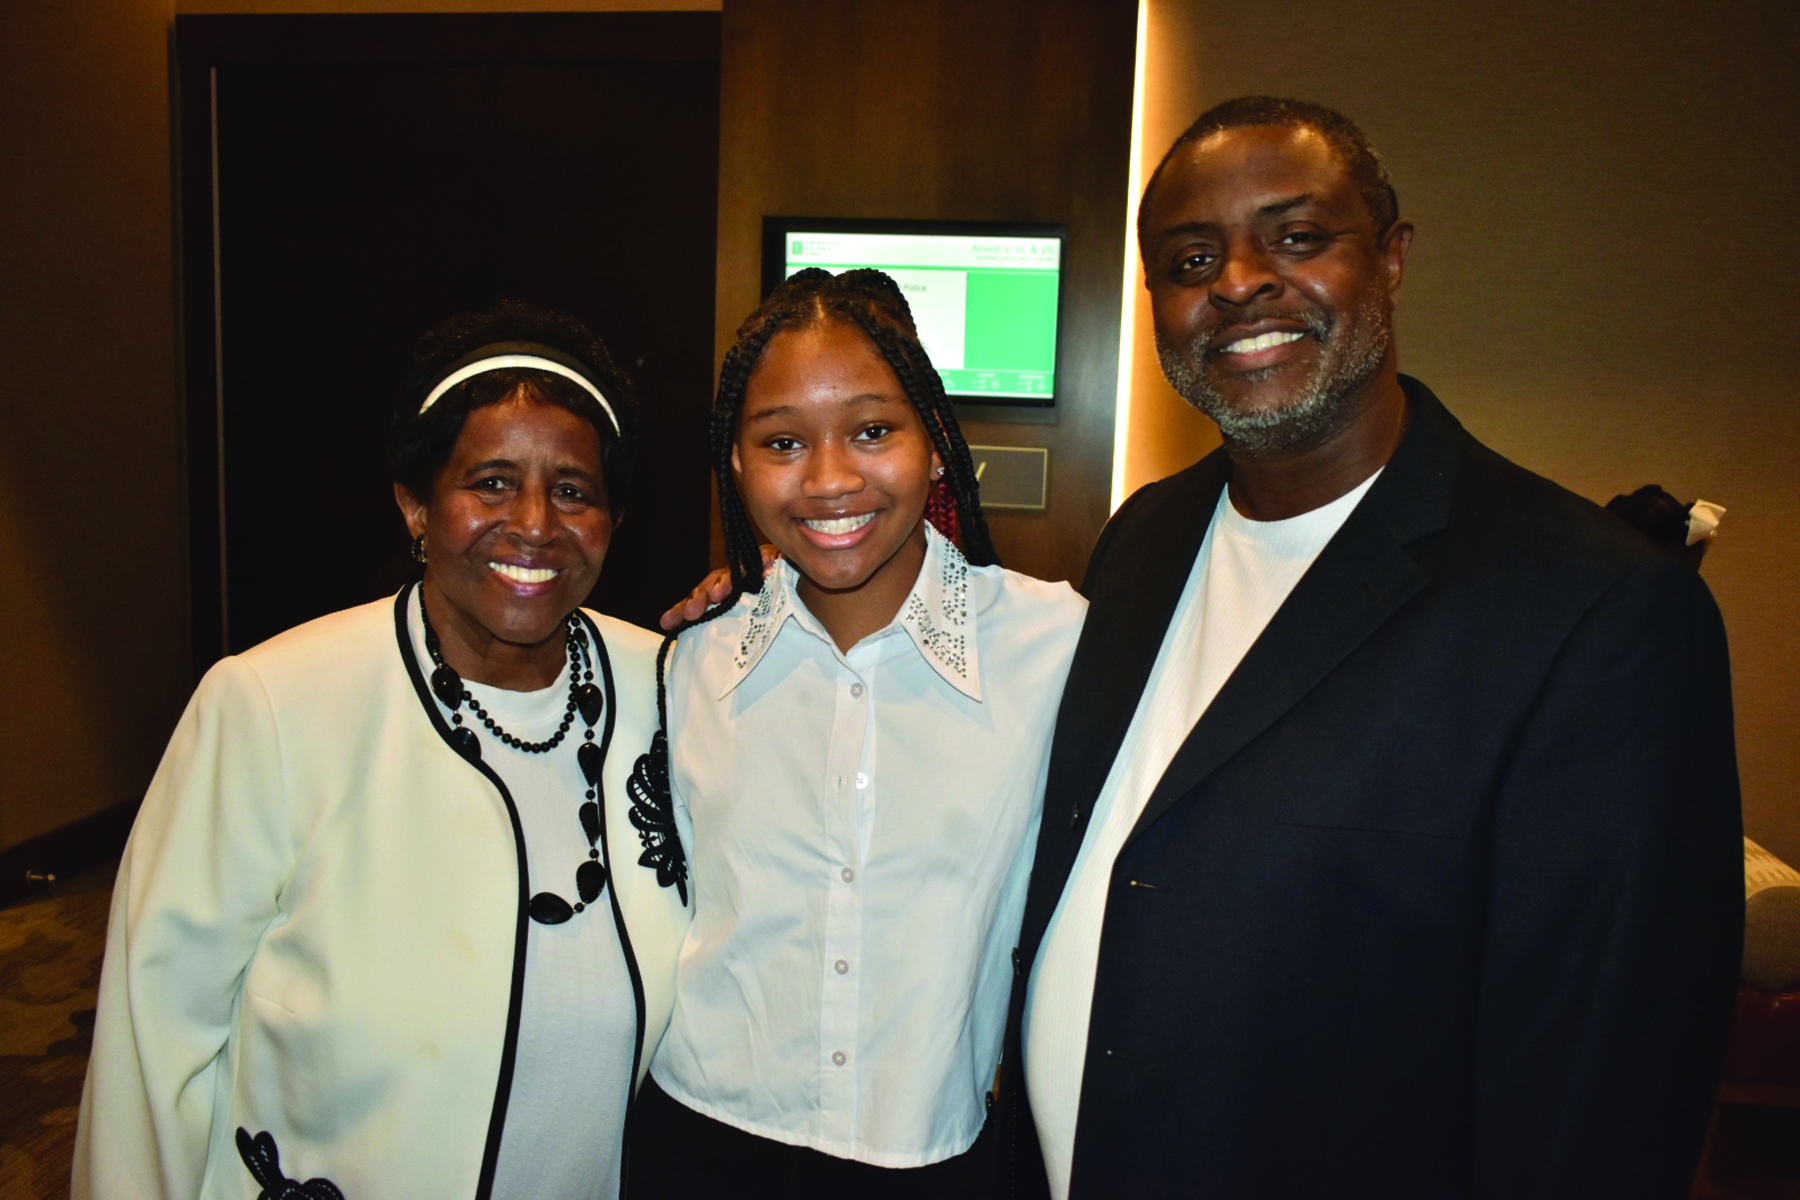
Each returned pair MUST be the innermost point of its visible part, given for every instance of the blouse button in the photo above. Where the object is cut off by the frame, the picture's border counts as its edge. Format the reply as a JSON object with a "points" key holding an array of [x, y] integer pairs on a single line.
{"points": [[842, 966], [856, 689], [848, 874], [839, 1057]]}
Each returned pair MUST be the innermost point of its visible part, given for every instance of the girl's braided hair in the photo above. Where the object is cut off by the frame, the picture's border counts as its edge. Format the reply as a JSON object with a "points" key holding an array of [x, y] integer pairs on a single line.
{"points": [[871, 301]]}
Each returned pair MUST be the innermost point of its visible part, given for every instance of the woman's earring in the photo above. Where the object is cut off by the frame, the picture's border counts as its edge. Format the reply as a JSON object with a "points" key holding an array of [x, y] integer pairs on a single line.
{"points": [[937, 473], [418, 548]]}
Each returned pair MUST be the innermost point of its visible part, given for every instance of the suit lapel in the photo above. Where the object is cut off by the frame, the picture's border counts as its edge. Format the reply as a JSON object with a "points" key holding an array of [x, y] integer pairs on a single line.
{"points": [[1129, 617], [1361, 577], [1140, 572]]}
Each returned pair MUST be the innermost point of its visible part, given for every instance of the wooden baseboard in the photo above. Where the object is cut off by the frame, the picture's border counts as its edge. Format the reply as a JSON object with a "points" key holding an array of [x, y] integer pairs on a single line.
{"points": [[30, 866]]}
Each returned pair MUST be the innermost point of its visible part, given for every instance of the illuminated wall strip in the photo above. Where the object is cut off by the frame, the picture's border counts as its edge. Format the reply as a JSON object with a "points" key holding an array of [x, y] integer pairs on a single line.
{"points": [[1129, 289]]}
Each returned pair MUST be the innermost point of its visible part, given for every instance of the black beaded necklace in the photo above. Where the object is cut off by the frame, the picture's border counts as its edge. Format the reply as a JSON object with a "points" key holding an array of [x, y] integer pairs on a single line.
{"points": [[586, 698]]}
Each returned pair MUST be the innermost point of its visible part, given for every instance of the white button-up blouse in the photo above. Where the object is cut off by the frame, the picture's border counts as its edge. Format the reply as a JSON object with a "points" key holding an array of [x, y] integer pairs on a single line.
{"points": [[861, 828]]}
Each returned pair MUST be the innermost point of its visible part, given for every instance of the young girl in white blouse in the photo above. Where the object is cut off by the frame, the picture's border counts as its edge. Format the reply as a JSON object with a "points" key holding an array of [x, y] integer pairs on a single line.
{"points": [[859, 741]]}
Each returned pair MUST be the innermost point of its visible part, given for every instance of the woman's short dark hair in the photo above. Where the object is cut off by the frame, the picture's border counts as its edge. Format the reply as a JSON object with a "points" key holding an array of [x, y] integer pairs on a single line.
{"points": [[421, 443]]}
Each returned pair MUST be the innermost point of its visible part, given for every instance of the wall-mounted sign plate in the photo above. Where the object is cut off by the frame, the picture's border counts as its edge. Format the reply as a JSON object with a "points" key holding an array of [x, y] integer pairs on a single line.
{"points": [[1012, 476]]}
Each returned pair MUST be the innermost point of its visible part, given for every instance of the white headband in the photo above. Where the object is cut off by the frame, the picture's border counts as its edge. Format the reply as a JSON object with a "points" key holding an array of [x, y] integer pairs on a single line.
{"points": [[507, 362]]}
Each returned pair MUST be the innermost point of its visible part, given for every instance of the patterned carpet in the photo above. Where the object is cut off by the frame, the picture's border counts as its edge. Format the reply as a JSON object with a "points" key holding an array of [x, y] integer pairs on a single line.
{"points": [[50, 949]]}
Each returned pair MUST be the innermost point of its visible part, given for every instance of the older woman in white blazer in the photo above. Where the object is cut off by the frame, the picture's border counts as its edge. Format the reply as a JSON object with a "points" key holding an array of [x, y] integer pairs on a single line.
{"points": [[400, 913]]}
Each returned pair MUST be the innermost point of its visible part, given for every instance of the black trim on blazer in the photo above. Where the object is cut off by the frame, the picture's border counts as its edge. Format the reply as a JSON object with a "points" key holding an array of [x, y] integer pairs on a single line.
{"points": [[490, 1156], [262, 1158], [631, 963]]}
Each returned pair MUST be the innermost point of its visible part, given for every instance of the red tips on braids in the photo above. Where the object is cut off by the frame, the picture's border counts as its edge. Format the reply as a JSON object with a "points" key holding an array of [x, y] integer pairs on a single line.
{"points": [[940, 510]]}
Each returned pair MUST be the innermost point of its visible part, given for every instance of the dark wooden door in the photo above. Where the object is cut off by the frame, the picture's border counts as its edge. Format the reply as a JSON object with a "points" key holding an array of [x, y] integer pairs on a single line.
{"points": [[348, 182]]}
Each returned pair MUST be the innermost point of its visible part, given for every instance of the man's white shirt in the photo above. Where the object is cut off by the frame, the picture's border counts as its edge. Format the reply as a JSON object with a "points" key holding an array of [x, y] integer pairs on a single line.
{"points": [[1242, 574]]}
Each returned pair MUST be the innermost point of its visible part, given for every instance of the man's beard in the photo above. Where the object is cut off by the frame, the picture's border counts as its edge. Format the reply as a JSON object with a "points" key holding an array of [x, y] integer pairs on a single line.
{"points": [[1317, 410]]}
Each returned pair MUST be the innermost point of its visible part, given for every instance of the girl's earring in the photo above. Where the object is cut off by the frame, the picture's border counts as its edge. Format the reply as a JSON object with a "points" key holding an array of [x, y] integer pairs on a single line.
{"points": [[937, 473], [418, 548]]}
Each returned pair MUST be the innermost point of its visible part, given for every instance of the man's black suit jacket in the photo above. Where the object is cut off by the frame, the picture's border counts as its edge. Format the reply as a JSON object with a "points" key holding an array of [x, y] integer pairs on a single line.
{"points": [[1443, 895]]}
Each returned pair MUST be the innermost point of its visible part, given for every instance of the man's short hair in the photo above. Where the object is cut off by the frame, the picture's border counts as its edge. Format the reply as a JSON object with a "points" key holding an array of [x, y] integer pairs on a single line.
{"points": [[1348, 142]]}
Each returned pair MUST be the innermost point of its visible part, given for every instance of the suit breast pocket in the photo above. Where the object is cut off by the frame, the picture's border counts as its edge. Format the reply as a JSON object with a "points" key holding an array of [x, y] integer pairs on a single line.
{"points": [[1375, 806]]}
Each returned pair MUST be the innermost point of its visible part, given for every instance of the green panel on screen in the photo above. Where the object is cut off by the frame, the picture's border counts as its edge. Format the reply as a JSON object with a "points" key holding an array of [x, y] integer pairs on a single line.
{"points": [[1012, 321], [983, 294]]}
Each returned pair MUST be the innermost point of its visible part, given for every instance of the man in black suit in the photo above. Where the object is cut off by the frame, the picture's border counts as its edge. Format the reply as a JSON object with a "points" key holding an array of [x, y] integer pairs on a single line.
{"points": [[1391, 846]]}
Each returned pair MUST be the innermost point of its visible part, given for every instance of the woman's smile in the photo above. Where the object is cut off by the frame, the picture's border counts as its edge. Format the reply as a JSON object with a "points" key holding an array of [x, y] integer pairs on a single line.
{"points": [[528, 576], [516, 527]]}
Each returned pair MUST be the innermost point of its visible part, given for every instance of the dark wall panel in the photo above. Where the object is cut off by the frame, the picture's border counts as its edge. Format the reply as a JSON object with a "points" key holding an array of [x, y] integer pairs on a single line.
{"points": [[375, 175]]}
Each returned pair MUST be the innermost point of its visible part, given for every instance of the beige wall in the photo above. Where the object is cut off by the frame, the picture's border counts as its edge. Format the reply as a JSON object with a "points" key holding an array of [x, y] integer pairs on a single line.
{"points": [[1603, 282], [93, 657]]}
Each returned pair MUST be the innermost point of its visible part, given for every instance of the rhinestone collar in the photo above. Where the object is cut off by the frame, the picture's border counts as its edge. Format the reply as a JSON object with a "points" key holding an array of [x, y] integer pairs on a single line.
{"points": [[935, 615]]}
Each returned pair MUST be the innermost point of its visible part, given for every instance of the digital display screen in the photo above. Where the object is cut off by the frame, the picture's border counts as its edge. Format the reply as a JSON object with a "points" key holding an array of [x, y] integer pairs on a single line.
{"points": [[985, 301]]}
